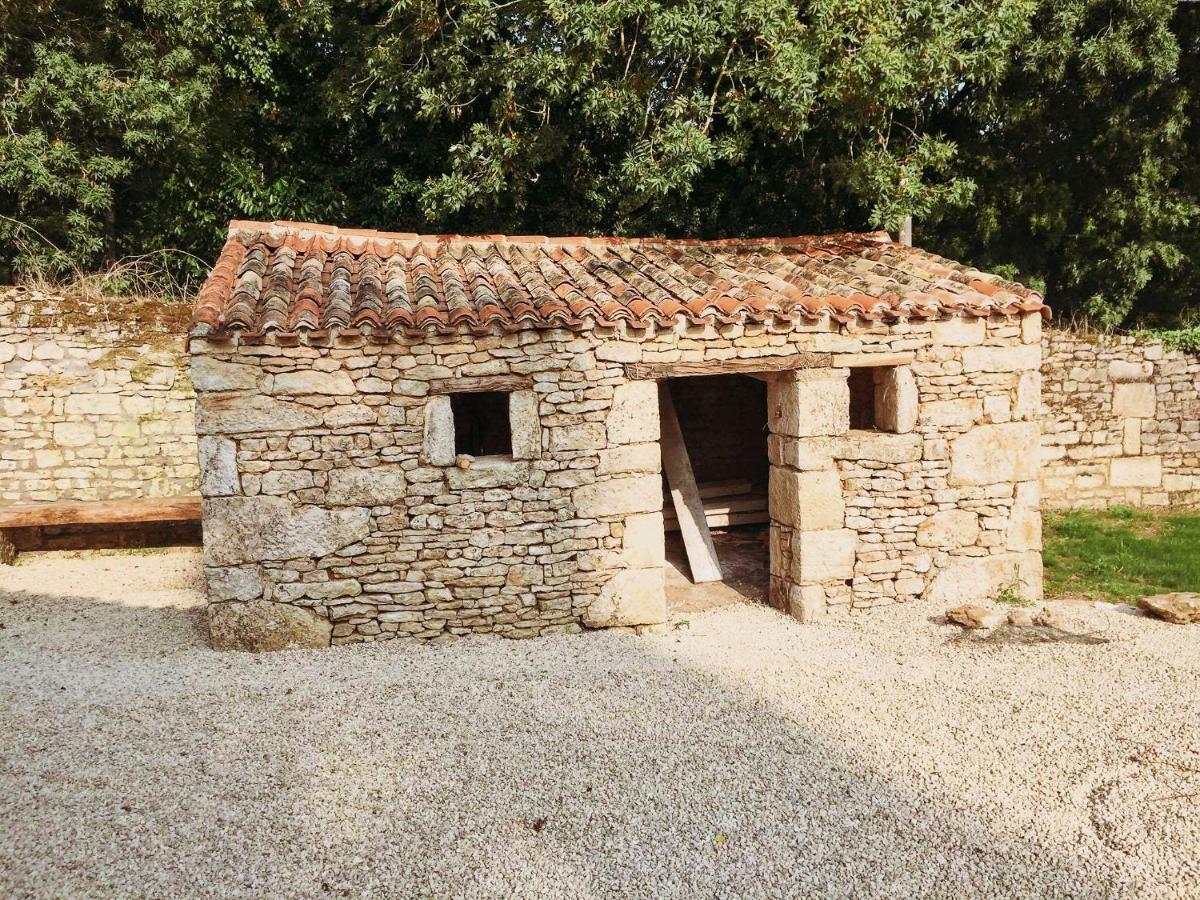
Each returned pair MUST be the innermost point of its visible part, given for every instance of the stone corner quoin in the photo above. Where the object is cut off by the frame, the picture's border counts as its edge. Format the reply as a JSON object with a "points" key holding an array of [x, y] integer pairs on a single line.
{"points": [[338, 507]]}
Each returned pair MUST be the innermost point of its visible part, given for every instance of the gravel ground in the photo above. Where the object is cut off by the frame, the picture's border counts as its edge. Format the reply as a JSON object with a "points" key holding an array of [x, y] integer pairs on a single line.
{"points": [[744, 755]]}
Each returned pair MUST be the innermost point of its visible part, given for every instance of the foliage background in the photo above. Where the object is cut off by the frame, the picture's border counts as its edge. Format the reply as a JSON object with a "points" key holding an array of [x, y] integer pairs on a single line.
{"points": [[1047, 139]]}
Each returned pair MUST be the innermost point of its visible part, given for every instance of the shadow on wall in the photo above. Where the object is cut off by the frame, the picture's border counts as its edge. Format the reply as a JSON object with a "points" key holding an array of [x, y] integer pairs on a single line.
{"points": [[591, 766]]}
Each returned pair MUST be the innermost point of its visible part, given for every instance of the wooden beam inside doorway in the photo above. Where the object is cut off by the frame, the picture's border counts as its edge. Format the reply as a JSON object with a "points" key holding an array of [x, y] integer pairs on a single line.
{"points": [[697, 539]]}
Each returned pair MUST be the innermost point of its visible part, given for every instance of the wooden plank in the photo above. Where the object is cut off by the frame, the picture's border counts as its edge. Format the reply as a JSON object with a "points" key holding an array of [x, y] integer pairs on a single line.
{"points": [[100, 512], [751, 503], [726, 520], [8, 550], [689, 509], [658, 371], [724, 488], [864, 360], [478, 384]]}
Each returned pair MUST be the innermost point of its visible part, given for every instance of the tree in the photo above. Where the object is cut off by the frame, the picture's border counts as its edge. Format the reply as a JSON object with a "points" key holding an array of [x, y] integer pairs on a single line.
{"points": [[640, 115], [1079, 157], [1045, 138]]}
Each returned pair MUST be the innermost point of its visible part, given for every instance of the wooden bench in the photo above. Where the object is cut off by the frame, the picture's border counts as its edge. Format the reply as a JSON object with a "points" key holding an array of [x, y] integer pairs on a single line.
{"points": [[94, 512]]}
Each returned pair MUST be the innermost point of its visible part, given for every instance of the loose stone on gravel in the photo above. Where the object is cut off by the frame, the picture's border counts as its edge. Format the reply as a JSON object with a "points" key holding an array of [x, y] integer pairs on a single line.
{"points": [[1178, 608]]}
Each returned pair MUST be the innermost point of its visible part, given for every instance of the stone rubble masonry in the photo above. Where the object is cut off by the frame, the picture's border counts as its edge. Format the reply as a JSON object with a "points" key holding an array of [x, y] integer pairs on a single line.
{"points": [[331, 484], [95, 403], [1121, 423]]}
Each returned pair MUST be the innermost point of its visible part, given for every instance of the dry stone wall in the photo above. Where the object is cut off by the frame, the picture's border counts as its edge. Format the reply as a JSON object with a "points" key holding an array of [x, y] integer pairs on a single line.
{"points": [[1121, 423], [944, 506], [95, 401], [336, 509]]}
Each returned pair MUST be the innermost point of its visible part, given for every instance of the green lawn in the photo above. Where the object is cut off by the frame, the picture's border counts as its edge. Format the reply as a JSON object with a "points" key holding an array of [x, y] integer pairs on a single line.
{"points": [[1121, 554]]}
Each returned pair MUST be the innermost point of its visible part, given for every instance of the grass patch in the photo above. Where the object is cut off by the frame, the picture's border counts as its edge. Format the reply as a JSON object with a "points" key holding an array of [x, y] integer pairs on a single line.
{"points": [[1121, 554]]}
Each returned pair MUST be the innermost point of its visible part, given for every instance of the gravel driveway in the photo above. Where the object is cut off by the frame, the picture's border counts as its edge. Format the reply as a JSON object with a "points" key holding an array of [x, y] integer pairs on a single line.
{"points": [[745, 755]]}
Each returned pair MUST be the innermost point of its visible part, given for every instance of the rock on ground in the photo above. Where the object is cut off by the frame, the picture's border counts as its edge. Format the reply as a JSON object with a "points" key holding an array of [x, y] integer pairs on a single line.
{"points": [[746, 755], [1179, 608]]}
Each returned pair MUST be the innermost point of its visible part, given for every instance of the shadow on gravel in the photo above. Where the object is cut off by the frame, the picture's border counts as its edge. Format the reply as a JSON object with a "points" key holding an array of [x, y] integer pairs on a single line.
{"points": [[1025, 635], [135, 760]]}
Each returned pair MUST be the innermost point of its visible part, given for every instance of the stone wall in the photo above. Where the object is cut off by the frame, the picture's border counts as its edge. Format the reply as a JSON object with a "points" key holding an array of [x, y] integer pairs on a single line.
{"points": [[336, 508], [95, 400], [1121, 423]]}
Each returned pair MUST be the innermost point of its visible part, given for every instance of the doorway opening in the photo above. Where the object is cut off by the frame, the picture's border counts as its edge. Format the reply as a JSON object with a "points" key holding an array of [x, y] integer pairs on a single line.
{"points": [[722, 420]]}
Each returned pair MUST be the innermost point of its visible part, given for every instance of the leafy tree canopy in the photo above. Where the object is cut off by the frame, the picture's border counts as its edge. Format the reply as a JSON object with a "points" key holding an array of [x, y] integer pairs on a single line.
{"points": [[1045, 138]]}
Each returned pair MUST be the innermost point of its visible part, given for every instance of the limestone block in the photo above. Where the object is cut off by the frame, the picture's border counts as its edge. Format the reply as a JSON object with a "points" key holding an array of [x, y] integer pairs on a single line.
{"points": [[1011, 358], [234, 583], [524, 425], [585, 436], [312, 381], [633, 417], [284, 481], [1031, 328], [806, 603], [1025, 523], [439, 431], [808, 500], [524, 575], [875, 446], [74, 434], [350, 414], [485, 472], [630, 458], [252, 415], [619, 351], [959, 331], [896, 400], [968, 579], [93, 404], [619, 496], [1131, 437], [218, 468], [318, 590], [241, 530], [642, 544], [384, 485], [1029, 396], [209, 374], [631, 597], [260, 626], [823, 555], [997, 408], [957, 413], [1120, 372], [993, 454], [949, 529], [810, 404], [1134, 400], [800, 453], [7, 352], [1135, 471]]}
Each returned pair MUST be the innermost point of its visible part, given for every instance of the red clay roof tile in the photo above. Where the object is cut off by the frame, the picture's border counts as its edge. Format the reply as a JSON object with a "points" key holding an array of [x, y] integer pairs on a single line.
{"points": [[293, 279]]}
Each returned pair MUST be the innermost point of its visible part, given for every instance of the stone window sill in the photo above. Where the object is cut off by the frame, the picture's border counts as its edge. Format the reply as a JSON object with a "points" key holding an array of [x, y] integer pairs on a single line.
{"points": [[489, 471]]}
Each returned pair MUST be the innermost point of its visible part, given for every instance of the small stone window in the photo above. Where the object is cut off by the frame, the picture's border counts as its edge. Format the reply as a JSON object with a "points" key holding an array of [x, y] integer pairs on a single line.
{"points": [[862, 399], [883, 398], [495, 424], [481, 426]]}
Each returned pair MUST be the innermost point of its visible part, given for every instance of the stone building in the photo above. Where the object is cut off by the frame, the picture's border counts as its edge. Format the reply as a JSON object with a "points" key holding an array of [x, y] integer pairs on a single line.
{"points": [[423, 436]]}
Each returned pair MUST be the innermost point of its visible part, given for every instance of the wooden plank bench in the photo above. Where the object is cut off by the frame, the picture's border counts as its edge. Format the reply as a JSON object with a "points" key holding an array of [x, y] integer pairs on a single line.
{"points": [[92, 512]]}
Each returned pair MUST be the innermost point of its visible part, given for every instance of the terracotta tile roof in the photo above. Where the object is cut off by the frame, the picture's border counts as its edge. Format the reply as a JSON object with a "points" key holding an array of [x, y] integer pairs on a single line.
{"points": [[296, 279]]}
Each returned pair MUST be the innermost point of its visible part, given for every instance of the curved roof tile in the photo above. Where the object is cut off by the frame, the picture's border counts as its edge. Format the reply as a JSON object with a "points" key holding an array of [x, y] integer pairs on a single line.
{"points": [[295, 279]]}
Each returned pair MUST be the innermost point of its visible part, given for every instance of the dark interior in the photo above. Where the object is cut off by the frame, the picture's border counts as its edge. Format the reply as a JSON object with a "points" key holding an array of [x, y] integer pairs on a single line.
{"points": [[862, 398], [481, 424], [724, 423]]}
